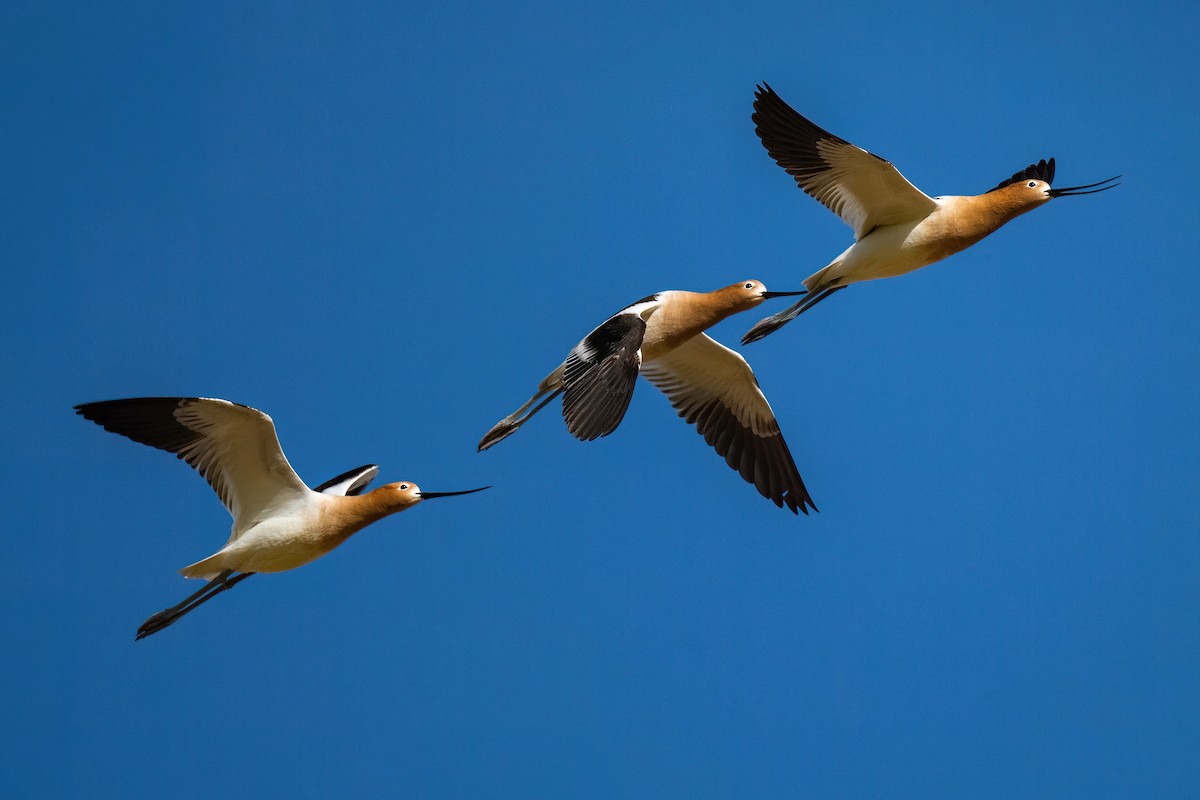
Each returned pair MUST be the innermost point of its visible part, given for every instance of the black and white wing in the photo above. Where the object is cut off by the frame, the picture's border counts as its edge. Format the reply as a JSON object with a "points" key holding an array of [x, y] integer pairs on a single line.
{"points": [[350, 483], [600, 373], [866, 191], [234, 447], [713, 388]]}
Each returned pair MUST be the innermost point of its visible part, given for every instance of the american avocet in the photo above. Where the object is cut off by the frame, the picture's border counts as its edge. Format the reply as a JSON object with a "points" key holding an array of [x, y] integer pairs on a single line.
{"points": [[897, 227], [278, 522], [709, 384]]}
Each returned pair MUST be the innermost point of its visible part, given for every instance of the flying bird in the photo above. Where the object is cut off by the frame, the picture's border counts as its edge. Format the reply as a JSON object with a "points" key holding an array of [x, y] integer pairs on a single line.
{"points": [[662, 337], [897, 227], [278, 522]]}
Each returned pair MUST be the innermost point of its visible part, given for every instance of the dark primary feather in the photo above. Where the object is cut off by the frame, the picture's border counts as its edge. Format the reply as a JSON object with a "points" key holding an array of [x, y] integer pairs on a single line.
{"points": [[764, 461], [789, 137], [703, 390], [147, 420], [599, 376], [155, 421], [866, 191], [1041, 171], [776, 476]]}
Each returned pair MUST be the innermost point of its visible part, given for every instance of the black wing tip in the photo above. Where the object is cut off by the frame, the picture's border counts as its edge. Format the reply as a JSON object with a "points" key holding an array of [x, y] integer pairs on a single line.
{"points": [[762, 461], [93, 405], [127, 404], [794, 498], [796, 506], [146, 410], [147, 420], [1042, 170], [801, 504], [766, 98], [103, 412]]}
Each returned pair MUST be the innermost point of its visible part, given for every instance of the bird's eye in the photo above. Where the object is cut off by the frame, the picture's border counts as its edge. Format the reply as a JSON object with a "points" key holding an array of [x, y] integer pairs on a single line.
{"points": [[1032, 184], [750, 285], [404, 486]]}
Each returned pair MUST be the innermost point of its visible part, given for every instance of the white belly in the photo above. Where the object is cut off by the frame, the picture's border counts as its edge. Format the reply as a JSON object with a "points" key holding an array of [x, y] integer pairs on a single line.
{"points": [[886, 252], [282, 542]]}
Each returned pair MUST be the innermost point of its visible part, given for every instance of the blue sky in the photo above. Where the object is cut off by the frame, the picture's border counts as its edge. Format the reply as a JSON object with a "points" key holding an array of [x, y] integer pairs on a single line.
{"points": [[384, 224]]}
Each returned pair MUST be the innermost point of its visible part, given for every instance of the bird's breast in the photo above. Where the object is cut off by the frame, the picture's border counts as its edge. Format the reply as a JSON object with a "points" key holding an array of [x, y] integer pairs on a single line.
{"points": [[893, 250], [665, 332], [288, 541], [679, 317], [337, 522], [960, 222]]}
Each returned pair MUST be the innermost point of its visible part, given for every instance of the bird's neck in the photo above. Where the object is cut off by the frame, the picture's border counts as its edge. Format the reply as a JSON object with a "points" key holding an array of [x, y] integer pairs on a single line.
{"points": [[705, 309], [345, 516], [379, 503], [687, 314], [963, 221], [987, 212]]}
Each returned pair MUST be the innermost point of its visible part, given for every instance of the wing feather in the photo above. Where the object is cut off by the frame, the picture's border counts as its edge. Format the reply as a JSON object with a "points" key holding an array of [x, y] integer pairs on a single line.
{"points": [[232, 446], [599, 376], [866, 191], [351, 482], [713, 388]]}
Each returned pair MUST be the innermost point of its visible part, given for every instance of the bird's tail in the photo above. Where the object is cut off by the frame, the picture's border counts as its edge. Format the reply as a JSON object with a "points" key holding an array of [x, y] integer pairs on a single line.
{"points": [[774, 322], [207, 569]]}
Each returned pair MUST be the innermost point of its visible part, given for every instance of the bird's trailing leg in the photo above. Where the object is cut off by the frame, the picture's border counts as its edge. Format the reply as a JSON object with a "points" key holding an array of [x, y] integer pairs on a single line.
{"points": [[773, 323], [507, 426], [210, 590]]}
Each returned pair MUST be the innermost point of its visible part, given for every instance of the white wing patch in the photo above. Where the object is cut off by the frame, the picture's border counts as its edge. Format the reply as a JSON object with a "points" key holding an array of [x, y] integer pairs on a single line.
{"points": [[349, 483]]}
